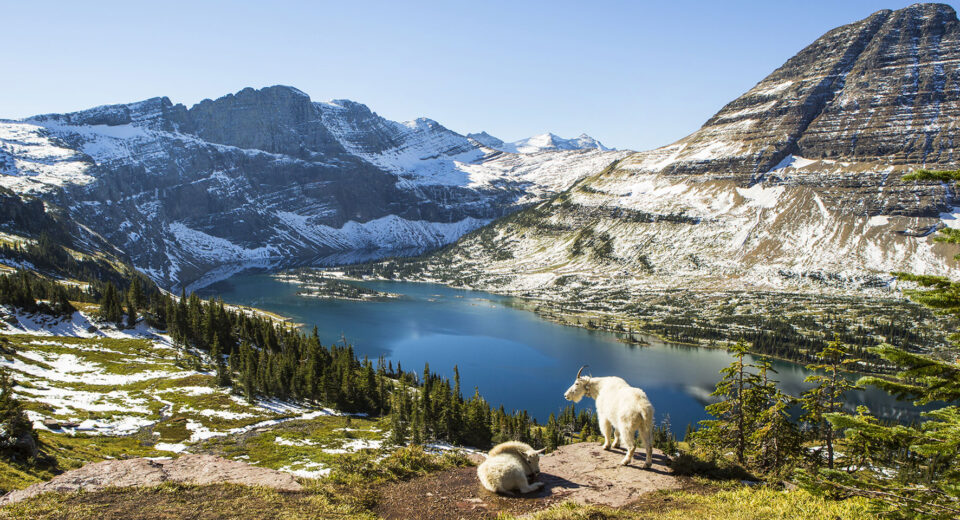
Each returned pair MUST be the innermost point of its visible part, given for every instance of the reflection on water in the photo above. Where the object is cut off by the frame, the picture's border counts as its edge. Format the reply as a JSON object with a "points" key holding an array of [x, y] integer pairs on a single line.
{"points": [[516, 358]]}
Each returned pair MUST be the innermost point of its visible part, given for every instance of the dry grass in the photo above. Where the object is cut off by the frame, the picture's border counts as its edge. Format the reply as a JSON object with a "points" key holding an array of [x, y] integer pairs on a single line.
{"points": [[739, 503]]}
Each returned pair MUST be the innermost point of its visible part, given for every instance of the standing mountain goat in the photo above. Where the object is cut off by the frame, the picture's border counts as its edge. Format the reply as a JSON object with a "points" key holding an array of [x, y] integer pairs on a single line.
{"points": [[619, 406], [507, 467]]}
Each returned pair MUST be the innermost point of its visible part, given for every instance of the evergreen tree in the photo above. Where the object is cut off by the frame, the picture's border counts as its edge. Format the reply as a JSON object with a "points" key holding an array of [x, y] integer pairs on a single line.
{"points": [[914, 469], [552, 438], [827, 396], [737, 410], [17, 438], [926, 468], [775, 436], [136, 296], [399, 414], [110, 308], [61, 302], [132, 316]]}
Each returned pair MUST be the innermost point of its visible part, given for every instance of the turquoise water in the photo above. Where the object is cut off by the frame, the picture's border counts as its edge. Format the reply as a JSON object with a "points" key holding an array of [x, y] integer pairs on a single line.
{"points": [[515, 358]]}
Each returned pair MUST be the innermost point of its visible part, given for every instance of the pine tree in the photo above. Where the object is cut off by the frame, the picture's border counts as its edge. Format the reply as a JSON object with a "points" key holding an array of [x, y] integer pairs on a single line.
{"points": [[924, 459], [61, 302], [926, 469], [827, 396], [399, 414], [131, 314], [17, 440], [110, 308], [775, 435], [552, 438], [136, 296], [737, 410]]}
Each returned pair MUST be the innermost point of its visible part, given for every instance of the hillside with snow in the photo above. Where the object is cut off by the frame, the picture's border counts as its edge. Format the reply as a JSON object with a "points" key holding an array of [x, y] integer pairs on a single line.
{"points": [[539, 143], [79, 376], [796, 186], [268, 177]]}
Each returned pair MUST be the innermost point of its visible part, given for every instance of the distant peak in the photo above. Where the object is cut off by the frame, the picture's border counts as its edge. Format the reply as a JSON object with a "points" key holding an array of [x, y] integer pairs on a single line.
{"points": [[284, 89], [488, 140]]}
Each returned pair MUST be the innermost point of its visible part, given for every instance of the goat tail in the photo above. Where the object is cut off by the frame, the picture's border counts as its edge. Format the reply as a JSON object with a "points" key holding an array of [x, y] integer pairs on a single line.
{"points": [[645, 409]]}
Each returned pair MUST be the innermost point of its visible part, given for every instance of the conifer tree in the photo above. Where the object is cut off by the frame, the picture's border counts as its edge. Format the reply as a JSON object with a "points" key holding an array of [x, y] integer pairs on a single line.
{"points": [[399, 414], [827, 396], [775, 436], [737, 410], [922, 477], [132, 316], [926, 475], [17, 439], [61, 302], [110, 308], [135, 294]]}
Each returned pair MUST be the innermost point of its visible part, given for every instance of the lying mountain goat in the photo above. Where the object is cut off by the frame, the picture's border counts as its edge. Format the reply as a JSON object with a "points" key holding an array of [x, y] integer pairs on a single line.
{"points": [[507, 467], [619, 406], [529, 456]]}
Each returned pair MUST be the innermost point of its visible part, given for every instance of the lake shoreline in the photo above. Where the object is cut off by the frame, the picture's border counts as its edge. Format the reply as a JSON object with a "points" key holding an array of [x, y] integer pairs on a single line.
{"points": [[533, 305], [500, 341]]}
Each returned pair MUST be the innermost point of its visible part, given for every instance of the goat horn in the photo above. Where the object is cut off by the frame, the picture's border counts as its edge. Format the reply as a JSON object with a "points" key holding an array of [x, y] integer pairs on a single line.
{"points": [[581, 370]]}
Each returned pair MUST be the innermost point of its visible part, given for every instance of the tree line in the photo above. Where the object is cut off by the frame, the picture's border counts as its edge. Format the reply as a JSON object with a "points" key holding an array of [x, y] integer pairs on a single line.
{"points": [[910, 470]]}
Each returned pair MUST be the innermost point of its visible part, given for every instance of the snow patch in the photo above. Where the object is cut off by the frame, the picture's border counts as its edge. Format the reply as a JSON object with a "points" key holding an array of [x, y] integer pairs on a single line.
{"points": [[760, 196]]}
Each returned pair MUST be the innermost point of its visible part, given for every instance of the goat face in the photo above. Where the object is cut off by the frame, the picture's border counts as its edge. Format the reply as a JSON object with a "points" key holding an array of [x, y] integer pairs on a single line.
{"points": [[576, 392], [533, 460]]}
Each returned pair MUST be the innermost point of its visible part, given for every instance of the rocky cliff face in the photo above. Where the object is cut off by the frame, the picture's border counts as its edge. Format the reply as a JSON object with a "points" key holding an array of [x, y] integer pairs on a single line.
{"points": [[880, 91], [793, 186], [267, 176]]}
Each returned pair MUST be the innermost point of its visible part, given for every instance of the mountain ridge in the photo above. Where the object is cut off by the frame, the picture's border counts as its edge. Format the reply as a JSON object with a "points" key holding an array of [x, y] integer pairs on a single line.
{"points": [[264, 177], [795, 186], [539, 143]]}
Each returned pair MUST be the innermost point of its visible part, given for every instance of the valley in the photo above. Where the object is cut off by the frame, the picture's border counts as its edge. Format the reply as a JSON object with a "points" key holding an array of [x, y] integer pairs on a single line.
{"points": [[361, 307]]}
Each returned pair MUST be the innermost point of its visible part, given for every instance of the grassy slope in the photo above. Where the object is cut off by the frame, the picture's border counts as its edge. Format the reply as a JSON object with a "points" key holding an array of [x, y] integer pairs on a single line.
{"points": [[339, 500], [740, 503], [110, 381]]}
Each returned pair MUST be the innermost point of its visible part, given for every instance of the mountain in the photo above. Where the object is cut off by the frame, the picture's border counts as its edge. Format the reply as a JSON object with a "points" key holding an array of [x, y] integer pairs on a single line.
{"points": [[794, 186], [268, 176], [539, 143]]}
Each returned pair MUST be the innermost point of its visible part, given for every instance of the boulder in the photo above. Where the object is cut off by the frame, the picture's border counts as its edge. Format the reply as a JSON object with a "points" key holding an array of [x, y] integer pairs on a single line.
{"points": [[190, 469]]}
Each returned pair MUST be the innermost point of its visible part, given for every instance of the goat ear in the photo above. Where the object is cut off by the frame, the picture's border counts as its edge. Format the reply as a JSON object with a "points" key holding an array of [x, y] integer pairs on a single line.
{"points": [[538, 452]]}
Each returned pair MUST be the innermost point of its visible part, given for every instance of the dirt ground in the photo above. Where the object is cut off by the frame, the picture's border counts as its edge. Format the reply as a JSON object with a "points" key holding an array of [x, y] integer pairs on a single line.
{"points": [[582, 472]]}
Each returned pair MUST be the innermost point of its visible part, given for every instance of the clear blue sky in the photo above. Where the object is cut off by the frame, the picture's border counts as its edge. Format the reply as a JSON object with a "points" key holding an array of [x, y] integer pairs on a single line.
{"points": [[632, 74]]}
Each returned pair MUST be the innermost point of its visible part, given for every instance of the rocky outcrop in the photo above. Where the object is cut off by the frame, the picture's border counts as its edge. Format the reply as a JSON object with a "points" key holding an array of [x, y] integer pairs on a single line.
{"points": [[188, 469], [582, 473]]}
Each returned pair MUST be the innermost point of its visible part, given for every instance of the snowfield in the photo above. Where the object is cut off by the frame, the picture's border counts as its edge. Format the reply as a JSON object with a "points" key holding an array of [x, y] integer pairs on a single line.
{"points": [[95, 379], [88, 380]]}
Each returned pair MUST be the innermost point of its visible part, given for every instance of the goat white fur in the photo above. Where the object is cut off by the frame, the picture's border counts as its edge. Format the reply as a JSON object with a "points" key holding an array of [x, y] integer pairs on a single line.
{"points": [[619, 406], [505, 470], [529, 456]]}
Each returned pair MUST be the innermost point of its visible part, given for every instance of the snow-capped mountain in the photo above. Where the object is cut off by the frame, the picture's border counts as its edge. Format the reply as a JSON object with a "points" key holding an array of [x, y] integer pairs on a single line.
{"points": [[267, 176], [539, 143], [796, 185]]}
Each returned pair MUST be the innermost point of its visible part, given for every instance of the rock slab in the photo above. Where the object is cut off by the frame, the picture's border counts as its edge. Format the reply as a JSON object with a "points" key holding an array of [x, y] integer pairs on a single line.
{"points": [[189, 469], [582, 473]]}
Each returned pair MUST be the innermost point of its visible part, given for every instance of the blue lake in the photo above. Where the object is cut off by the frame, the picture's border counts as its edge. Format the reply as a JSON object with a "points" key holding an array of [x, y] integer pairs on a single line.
{"points": [[514, 357]]}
